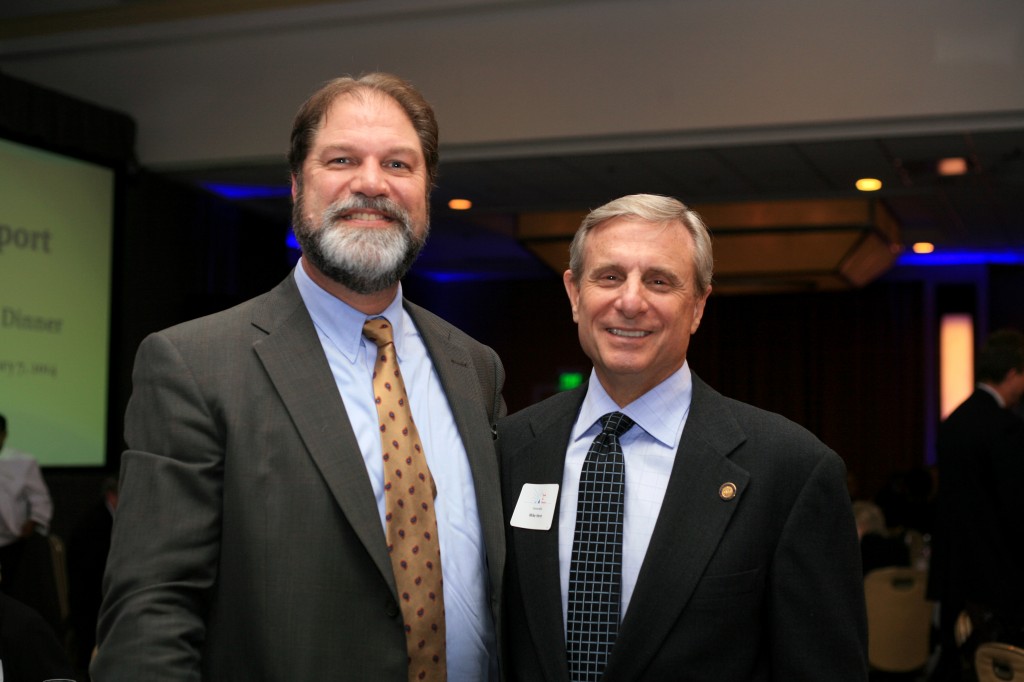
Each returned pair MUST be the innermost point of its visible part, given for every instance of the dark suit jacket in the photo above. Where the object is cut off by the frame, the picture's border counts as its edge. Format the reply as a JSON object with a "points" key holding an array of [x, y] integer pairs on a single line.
{"points": [[764, 586], [29, 648], [978, 545], [247, 543], [88, 548]]}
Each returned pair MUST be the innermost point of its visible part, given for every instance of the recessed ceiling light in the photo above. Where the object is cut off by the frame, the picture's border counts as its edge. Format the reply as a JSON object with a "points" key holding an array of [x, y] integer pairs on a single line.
{"points": [[869, 184], [954, 165], [923, 247], [460, 204]]}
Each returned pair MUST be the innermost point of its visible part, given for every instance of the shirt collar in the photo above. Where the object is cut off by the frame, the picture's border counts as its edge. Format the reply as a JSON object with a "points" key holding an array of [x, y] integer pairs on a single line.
{"points": [[659, 412], [992, 392], [340, 322]]}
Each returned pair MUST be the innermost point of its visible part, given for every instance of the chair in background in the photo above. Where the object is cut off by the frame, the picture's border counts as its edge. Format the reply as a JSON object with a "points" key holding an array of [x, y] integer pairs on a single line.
{"points": [[962, 629], [899, 619], [58, 557], [918, 548], [996, 662]]}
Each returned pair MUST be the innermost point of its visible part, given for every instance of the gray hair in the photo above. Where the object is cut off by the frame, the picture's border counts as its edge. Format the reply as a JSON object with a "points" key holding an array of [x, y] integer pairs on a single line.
{"points": [[655, 209]]}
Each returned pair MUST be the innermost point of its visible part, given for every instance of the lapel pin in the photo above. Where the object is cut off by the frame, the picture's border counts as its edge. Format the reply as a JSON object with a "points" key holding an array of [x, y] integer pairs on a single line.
{"points": [[727, 491]]}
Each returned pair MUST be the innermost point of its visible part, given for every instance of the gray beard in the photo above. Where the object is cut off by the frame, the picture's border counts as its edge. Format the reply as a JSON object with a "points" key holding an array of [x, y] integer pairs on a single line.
{"points": [[365, 261]]}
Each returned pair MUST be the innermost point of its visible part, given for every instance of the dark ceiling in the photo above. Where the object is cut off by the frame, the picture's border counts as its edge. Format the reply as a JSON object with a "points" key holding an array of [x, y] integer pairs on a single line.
{"points": [[981, 211]]}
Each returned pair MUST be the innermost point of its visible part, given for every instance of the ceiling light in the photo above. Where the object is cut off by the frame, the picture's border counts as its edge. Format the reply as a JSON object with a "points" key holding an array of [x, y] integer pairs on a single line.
{"points": [[923, 247], [869, 184], [460, 204], [954, 165]]}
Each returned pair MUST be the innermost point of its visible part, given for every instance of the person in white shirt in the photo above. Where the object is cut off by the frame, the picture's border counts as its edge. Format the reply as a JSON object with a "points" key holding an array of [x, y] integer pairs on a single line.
{"points": [[25, 512], [25, 504]]}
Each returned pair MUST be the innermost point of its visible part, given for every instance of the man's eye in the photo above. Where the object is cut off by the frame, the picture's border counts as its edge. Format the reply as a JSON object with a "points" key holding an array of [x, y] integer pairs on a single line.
{"points": [[398, 165], [341, 160]]}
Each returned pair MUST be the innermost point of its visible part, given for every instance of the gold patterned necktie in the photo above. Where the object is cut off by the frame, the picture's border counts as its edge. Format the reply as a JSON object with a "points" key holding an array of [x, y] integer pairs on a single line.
{"points": [[409, 493]]}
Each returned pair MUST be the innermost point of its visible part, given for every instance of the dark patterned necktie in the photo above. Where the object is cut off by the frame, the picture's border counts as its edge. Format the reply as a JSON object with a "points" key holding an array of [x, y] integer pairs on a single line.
{"points": [[595, 574], [409, 493]]}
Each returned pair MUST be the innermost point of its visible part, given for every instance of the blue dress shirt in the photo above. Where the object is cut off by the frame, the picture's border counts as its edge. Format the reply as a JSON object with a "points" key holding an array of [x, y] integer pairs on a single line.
{"points": [[471, 647]]}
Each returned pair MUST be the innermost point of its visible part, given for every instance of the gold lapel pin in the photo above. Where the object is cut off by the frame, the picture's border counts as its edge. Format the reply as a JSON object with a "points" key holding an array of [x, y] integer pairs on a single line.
{"points": [[727, 491]]}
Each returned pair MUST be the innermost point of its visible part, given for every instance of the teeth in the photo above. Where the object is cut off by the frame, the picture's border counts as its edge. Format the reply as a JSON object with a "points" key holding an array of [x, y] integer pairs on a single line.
{"points": [[366, 216], [629, 334]]}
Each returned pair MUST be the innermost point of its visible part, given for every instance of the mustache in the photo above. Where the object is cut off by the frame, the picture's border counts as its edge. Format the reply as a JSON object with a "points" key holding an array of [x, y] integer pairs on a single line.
{"points": [[360, 202]]}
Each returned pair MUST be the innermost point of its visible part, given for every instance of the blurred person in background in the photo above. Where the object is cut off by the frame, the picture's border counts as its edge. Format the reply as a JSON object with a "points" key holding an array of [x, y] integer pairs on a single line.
{"points": [[977, 562]]}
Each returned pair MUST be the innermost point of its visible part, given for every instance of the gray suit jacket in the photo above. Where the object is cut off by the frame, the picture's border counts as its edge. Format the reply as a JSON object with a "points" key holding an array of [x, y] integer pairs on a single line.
{"points": [[765, 585], [247, 544]]}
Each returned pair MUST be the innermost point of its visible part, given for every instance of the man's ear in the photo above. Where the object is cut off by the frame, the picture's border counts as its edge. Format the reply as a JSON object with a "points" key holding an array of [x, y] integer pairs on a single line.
{"points": [[573, 292], [698, 310]]}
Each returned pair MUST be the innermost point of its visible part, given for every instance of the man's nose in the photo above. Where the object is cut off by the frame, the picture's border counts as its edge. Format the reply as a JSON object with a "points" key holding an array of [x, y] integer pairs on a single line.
{"points": [[632, 299], [370, 181]]}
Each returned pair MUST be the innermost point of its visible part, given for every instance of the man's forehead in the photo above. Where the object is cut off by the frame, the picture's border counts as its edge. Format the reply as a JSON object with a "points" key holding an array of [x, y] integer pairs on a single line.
{"points": [[351, 110], [643, 231], [361, 102], [628, 251]]}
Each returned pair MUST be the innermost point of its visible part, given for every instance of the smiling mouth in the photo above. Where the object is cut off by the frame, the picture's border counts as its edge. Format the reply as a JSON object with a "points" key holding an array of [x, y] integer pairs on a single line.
{"points": [[367, 217], [629, 333]]}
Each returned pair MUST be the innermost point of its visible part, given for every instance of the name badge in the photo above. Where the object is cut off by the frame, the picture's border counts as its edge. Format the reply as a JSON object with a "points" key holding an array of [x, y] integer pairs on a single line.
{"points": [[535, 509]]}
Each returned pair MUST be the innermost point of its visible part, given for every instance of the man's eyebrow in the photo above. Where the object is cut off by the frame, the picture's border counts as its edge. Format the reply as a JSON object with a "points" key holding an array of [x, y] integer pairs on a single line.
{"points": [[605, 265], [344, 147]]}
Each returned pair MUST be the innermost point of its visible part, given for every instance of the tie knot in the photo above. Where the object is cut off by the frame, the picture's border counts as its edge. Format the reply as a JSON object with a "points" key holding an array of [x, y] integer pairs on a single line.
{"points": [[379, 331], [615, 423]]}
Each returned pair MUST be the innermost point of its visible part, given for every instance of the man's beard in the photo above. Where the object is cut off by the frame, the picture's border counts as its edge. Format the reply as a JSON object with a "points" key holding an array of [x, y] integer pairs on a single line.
{"points": [[364, 260]]}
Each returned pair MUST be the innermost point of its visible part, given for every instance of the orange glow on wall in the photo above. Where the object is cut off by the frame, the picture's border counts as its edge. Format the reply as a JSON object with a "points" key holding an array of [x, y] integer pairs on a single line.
{"points": [[956, 361], [955, 165]]}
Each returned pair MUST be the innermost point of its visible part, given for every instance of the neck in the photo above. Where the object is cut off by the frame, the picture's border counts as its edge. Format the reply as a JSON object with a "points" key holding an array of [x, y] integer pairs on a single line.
{"points": [[370, 304], [1005, 391], [623, 393], [626, 388]]}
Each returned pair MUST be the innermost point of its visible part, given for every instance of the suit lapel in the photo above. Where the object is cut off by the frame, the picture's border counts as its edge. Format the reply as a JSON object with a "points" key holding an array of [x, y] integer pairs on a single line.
{"points": [[294, 359], [461, 385], [692, 520], [541, 461]]}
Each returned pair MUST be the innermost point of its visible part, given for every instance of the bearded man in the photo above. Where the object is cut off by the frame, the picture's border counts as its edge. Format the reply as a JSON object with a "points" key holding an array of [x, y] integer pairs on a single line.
{"points": [[264, 528]]}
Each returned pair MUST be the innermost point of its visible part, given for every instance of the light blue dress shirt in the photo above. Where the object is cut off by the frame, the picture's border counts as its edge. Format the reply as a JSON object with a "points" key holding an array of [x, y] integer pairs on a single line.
{"points": [[470, 640], [649, 451]]}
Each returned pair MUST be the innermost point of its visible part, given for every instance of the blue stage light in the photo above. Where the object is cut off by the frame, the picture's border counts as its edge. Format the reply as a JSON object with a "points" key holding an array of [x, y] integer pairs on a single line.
{"points": [[946, 258], [239, 192]]}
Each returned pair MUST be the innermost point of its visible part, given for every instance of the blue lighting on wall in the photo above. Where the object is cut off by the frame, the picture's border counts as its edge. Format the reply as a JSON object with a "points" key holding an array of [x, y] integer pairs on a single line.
{"points": [[448, 276], [962, 258], [240, 192]]}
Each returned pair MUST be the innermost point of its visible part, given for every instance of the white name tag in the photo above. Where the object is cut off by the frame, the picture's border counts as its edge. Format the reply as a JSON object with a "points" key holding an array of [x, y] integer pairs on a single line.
{"points": [[535, 509]]}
